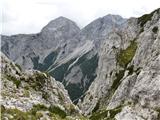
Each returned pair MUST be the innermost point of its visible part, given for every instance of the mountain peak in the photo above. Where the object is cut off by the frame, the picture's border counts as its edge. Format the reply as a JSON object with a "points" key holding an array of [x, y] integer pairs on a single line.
{"points": [[59, 22], [63, 18], [113, 18]]}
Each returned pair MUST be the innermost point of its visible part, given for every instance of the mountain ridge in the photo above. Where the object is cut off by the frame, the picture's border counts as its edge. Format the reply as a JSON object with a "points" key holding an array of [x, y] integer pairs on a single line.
{"points": [[58, 43], [110, 67]]}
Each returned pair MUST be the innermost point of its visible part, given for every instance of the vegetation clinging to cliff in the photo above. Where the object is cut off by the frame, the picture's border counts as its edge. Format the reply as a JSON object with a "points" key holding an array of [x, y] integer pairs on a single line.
{"points": [[125, 56]]}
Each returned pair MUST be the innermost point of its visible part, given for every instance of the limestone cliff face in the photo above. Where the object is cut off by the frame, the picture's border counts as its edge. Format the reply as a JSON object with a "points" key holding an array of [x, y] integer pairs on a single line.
{"points": [[29, 50], [112, 66], [128, 75], [32, 95], [67, 53]]}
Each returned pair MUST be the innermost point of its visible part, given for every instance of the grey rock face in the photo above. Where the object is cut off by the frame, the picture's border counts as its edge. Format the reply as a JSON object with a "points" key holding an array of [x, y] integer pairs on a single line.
{"points": [[60, 48], [25, 90], [137, 113], [134, 82], [111, 66], [100, 27], [108, 67], [54, 37]]}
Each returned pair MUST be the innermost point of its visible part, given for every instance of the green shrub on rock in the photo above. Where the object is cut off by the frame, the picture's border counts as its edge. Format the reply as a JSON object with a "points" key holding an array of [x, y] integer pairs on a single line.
{"points": [[125, 56], [106, 114], [16, 81], [58, 111]]}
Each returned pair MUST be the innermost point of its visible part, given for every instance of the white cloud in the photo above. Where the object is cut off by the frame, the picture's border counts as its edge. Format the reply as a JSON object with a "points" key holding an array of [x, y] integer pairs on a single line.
{"points": [[29, 16]]}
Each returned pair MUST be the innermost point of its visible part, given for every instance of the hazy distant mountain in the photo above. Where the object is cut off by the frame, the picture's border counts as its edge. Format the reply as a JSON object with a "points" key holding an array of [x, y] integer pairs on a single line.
{"points": [[111, 67], [69, 54]]}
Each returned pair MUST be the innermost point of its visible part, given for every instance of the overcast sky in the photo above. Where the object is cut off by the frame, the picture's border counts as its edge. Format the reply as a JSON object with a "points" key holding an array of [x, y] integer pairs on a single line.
{"points": [[29, 16]]}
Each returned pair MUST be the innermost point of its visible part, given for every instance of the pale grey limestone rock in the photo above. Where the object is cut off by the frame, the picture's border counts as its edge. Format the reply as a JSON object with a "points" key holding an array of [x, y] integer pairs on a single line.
{"points": [[137, 113], [34, 88], [66, 40], [140, 81], [136, 85]]}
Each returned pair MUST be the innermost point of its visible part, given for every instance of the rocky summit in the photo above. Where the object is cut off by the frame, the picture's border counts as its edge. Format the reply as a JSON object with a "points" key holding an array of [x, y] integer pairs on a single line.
{"points": [[109, 70]]}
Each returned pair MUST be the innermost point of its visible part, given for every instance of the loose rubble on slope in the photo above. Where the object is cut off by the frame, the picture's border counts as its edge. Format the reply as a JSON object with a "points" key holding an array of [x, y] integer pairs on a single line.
{"points": [[31, 95], [122, 64]]}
